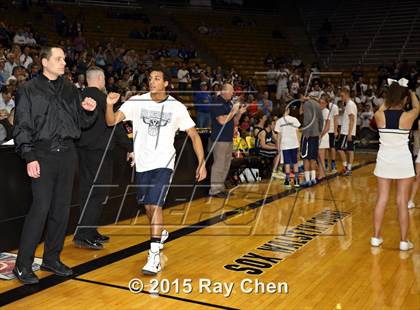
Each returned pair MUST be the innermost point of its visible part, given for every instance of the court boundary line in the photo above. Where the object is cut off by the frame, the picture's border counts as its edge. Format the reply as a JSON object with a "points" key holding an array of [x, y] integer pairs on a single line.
{"points": [[23, 291], [159, 294]]}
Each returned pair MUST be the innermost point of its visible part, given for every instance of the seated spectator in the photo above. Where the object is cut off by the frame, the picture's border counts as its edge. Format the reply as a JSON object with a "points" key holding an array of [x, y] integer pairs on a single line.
{"points": [[183, 77], [111, 86], [237, 87], [250, 86], [25, 59], [6, 127], [265, 104], [130, 59], [195, 77], [21, 80], [30, 40], [265, 142], [7, 103], [359, 87], [204, 78], [294, 86], [252, 106], [218, 80], [174, 69], [109, 57], [202, 101], [366, 116], [217, 90], [183, 54], [80, 84], [282, 80], [16, 51], [9, 65], [372, 85], [124, 83], [19, 37], [19, 72], [357, 73], [11, 83], [329, 90], [316, 91], [164, 68], [244, 123], [118, 63], [3, 74], [82, 63], [100, 57], [259, 121]]}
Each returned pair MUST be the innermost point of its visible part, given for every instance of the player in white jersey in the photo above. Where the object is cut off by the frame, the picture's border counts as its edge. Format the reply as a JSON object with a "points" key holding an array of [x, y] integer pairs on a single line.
{"points": [[156, 118]]}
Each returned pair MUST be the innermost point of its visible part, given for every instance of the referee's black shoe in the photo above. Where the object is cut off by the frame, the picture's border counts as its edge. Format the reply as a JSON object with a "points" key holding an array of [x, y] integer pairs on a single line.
{"points": [[88, 244], [57, 268], [101, 238], [25, 275]]}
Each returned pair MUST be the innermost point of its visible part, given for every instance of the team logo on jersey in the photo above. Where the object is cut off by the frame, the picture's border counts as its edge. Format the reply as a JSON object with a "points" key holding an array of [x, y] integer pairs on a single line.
{"points": [[155, 120]]}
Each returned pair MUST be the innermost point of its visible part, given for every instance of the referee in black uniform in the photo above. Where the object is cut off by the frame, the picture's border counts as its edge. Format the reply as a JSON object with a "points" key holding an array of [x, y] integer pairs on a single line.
{"points": [[95, 164], [49, 117]]}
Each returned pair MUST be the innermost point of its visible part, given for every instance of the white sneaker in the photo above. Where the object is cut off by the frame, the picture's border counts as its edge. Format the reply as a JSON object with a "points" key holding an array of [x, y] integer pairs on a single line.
{"points": [[164, 236], [376, 241], [406, 245], [152, 266], [411, 204]]}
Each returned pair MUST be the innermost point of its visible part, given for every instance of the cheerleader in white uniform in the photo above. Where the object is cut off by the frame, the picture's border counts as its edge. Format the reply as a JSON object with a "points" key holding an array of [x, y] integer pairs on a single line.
{"points": [[394, 161], [324, 139]]}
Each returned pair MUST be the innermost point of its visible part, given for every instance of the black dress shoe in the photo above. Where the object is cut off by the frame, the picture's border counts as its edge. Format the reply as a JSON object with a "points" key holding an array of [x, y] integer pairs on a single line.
{"points": [[101, 238], [25, 275], [57, 267], [88, 244]]}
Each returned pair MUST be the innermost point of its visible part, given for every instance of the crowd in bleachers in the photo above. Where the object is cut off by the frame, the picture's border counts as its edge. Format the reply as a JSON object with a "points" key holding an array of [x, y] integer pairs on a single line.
{"points": [[126, 71]]}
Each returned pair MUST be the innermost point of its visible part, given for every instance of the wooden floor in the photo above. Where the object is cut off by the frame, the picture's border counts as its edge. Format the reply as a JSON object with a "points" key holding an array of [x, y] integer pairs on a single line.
{"points": [[313, 243]]}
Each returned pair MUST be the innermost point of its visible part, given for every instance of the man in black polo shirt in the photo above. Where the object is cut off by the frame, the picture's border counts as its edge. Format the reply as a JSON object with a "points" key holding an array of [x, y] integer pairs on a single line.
{"points": [[95, 164], [224, 117]]}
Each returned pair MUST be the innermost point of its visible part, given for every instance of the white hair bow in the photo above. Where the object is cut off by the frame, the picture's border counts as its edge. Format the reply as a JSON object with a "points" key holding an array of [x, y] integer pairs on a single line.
{"points": [[402, 82]]}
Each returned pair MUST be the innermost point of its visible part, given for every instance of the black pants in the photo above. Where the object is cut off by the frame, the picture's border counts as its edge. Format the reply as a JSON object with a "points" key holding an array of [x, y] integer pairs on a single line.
{"points": [[95, 182], [51, 203]]}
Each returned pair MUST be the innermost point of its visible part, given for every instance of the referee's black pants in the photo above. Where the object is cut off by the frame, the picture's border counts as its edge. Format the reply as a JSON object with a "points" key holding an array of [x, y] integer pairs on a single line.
{"points": [[51, 198], [95, 172]]}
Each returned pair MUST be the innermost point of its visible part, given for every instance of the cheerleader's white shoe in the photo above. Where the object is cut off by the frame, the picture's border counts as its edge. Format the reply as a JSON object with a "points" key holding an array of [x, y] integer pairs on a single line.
{"points": [[376, 241]]}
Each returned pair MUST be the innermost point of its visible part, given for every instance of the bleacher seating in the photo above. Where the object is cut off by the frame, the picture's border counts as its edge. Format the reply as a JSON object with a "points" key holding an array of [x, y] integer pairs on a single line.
{"points": [[377, 31]]}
